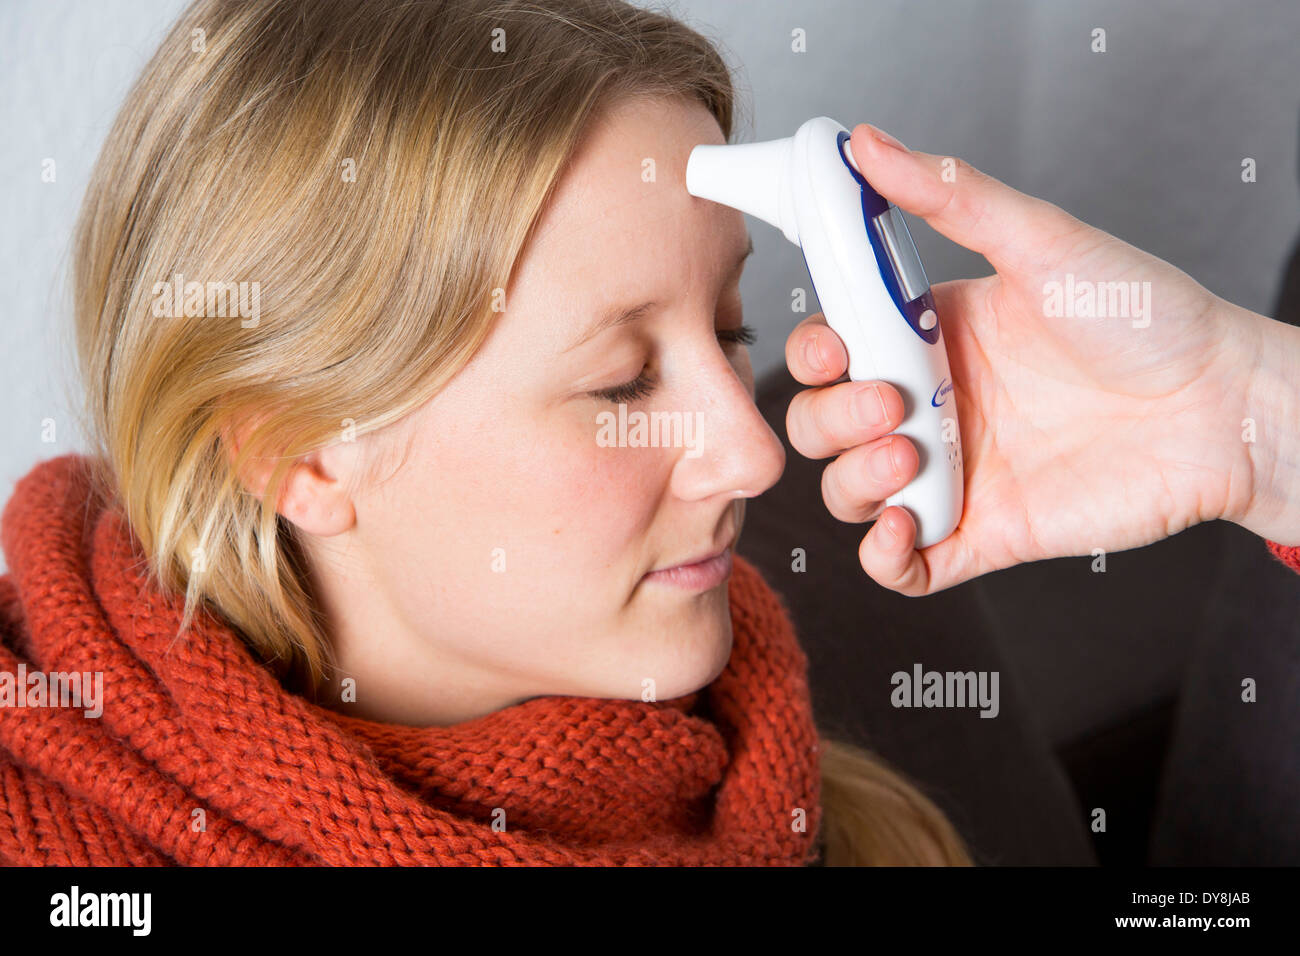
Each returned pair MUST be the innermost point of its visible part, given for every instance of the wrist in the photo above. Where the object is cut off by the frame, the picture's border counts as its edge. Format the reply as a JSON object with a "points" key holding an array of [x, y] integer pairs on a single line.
{"points": [[1264, 495]]}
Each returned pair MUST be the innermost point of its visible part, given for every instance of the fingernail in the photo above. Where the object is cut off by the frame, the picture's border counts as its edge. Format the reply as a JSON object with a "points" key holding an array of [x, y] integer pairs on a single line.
{"points": [[885, 138], [869, 408], [883, 466], [813, 355]]}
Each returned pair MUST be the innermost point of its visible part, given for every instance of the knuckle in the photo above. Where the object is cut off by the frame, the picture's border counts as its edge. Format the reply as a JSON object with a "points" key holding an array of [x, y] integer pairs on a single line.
{"points": [[794, 351], [951, 198], [802, 424], [822, 418], [847, 497], [839, 501], [794, 424], [960, 199], [965, 168], [796, 345]]}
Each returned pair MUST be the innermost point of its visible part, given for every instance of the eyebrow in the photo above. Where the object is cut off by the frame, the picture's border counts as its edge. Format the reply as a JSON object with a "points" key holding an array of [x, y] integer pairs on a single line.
{"points": [[624, 314]]}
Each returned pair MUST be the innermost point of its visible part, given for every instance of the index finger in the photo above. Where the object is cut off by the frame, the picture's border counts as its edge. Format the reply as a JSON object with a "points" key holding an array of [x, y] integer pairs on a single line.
{"points": [[814, 353]]}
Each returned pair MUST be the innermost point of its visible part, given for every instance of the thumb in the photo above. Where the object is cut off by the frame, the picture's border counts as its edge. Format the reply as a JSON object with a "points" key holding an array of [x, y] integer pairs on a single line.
{"points": [[1008, 228]]}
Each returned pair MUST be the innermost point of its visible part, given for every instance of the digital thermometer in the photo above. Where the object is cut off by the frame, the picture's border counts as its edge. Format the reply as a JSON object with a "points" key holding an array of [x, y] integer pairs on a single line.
{"points": [[871, 285]]}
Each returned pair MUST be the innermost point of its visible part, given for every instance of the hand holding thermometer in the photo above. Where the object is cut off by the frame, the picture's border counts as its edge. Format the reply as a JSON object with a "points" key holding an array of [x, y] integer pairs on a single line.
{"points": [[869, 281]]}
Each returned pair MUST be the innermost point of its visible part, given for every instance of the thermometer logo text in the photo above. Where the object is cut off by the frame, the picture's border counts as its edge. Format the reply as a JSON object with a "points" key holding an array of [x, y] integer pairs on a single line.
{"points": [[944, 388]]}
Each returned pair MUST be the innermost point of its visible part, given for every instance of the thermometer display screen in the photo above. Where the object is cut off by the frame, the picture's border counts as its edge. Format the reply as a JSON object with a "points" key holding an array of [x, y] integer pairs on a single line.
{"points": [[897, 239]]}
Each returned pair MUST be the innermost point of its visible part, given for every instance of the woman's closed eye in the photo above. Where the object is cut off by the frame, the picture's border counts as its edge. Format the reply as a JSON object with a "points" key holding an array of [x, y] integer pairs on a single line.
{"points": [[643, 385]]}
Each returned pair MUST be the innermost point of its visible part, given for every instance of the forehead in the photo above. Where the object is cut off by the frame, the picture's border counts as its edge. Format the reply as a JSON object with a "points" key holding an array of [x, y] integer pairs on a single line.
{"points": [[623, 193]]}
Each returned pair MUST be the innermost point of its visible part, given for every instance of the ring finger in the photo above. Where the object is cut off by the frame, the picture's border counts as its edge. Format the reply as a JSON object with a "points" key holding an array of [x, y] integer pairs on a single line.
{"points": [[856, 484]]}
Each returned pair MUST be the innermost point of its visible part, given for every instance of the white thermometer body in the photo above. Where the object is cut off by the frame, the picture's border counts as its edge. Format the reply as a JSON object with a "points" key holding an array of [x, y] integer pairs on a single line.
{"points": [[870, 283]]}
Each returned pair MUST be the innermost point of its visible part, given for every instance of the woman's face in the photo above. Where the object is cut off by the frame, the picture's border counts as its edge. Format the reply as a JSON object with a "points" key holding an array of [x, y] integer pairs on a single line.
{"points": [[510, 554]]}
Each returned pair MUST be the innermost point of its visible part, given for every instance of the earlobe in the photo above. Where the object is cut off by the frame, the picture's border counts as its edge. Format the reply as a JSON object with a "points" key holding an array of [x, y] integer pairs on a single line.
{"points": [[321, 518], [315, 501]]}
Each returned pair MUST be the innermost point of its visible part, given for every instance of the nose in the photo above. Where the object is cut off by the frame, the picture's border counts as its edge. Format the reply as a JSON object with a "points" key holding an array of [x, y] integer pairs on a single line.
{"points": [[736, 453]]}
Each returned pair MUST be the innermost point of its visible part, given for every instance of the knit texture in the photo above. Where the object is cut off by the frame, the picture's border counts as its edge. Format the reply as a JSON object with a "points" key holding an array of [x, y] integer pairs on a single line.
{"points": [[727, 775], [1287, 554]]}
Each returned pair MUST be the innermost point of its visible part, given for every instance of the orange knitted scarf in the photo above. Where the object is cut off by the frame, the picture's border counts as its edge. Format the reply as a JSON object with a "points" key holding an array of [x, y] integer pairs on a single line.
{"points": [[202, 757]]}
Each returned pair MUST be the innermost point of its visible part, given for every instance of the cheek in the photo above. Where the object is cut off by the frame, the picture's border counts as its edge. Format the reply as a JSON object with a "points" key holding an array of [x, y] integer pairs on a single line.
{"points": [[600, 499], [556, 502]]}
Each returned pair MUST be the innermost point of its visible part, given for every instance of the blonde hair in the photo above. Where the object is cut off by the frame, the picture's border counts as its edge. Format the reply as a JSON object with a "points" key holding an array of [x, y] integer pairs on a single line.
{"points": [[375, 169]]}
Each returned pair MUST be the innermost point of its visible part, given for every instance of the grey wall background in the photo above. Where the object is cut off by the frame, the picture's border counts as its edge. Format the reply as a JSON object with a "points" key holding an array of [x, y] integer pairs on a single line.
{"points": [[1144, 140]]}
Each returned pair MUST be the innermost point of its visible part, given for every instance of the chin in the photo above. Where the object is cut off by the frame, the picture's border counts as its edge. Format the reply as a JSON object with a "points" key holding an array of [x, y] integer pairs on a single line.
{"points": [[695, 667], [682, 648]]}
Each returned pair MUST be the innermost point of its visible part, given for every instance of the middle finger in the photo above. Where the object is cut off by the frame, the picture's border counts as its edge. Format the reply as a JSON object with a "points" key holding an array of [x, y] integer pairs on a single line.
{"points": [[833, 418]]}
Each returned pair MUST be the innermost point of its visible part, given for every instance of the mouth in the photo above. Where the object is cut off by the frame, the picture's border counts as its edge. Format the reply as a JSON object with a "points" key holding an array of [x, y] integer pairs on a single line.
{"points": [[701, 574]]}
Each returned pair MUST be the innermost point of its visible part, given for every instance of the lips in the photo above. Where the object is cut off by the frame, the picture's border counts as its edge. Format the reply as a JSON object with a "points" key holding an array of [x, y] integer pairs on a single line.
{"points": [[699, 575], [716, 553]]}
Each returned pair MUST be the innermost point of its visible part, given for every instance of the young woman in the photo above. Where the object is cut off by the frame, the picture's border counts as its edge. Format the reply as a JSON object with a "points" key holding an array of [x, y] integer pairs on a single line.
{"points": [[359, 288], [363, 582]]}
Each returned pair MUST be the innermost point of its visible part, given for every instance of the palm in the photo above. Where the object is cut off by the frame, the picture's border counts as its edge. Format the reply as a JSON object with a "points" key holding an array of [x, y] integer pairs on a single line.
{"points": [[1065, 421]]}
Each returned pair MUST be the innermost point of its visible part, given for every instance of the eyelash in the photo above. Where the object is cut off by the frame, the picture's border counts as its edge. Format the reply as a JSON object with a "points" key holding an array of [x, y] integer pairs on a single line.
{"points": [[641, 386]]}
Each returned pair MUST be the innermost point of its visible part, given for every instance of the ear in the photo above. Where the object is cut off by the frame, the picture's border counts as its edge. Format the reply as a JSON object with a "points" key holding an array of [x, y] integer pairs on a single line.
{"points": [[315, 497], [314, 494]]}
